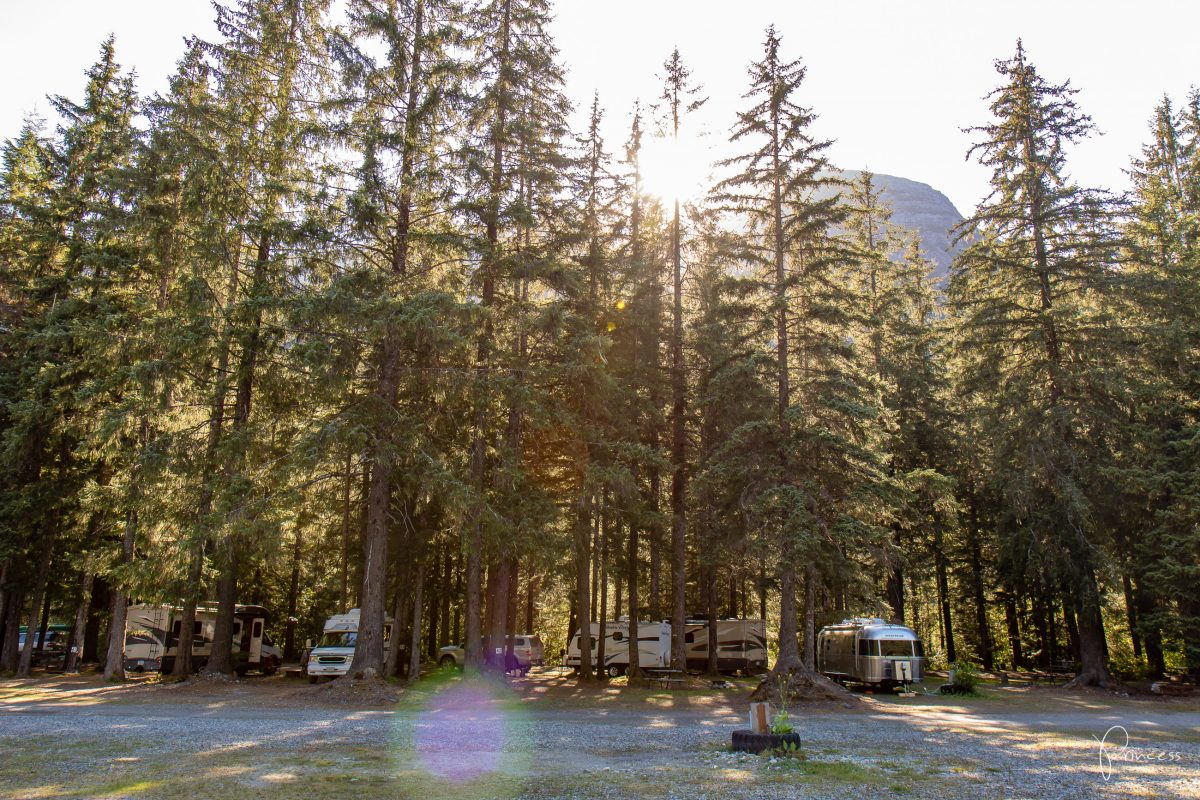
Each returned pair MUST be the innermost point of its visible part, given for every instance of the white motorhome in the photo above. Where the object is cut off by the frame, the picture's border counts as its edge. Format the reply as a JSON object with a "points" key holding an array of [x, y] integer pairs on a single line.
{"points": [[654, 646], [741, 645], [152, 638], [332, 656]]}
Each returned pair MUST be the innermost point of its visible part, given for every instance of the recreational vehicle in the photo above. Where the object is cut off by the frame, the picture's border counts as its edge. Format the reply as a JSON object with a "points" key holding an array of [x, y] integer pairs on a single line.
{"points": [[654, 646], [870, 651], [741, 645], [152, 638], [332, 656]]}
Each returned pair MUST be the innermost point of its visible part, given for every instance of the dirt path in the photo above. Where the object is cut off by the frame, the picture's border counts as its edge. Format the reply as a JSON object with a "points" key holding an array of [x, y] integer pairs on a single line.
{"points": [[80, 739]]}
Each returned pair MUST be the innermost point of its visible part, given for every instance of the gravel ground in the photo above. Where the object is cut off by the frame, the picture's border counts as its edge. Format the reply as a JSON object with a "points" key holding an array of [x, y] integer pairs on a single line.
{"points": [[462, 741]]}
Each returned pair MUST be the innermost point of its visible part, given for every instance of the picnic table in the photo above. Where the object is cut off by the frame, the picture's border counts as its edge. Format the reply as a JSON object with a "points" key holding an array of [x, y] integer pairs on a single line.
{"points": [[667, 678]]}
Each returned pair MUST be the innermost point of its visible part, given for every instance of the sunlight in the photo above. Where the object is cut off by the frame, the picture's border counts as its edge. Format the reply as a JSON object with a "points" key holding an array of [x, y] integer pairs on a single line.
{"points": [[675, 170]]}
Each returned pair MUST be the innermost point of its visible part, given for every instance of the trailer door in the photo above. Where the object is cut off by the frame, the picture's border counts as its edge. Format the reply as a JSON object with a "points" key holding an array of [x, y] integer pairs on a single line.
{"points": [[256, 640]]}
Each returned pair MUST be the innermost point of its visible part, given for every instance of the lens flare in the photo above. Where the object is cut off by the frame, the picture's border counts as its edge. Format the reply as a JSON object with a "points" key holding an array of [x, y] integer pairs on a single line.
{"points": [[467, 738]]}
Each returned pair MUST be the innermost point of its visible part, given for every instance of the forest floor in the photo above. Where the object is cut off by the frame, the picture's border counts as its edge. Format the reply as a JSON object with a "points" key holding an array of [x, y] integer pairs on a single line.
{"points": [[546, 737]]}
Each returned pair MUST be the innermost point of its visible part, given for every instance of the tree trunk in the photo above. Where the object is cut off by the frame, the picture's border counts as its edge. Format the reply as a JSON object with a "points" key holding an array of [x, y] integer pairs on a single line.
{"points": [[289, 636], [601, 664], [39, 595], [187, 621], [977, 590], [943, 595], [1014, 630], [75, 646], [414, 644], [9, 652], [220, 658], [582, 590], [709, 579], [634, 669], [1131, 615], [810, 618], [400, 613]]}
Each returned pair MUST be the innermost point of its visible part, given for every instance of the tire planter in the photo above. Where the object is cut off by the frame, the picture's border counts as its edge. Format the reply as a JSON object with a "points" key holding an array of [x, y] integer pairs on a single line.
{"points": [[751, 742]]}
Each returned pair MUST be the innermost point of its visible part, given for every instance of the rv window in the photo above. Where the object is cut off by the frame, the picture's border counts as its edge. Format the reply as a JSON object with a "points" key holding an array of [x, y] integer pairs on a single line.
{"points": [[339, 639], [197, 629], [868, 647], [919, 649], [176, 627], [895, 647], [237, 627], [257, 629], [690, 637]]}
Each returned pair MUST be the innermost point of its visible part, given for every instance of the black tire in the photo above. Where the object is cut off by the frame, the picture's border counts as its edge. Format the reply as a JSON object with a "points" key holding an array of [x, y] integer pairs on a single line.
{"points": [[312, 679], [616, 670], [241, 671], [448, 661], [751, 742]]}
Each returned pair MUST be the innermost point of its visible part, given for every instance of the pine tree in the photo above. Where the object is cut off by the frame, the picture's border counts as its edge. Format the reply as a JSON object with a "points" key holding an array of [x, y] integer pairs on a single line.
{"points": [[679, 98], [818, 462], [1030, 327]]}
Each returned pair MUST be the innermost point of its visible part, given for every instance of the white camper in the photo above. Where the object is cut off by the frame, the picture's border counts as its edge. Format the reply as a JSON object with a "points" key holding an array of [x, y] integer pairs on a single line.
{"points": [[332, 656], [654, 646], [741, 645], [152, 638]]}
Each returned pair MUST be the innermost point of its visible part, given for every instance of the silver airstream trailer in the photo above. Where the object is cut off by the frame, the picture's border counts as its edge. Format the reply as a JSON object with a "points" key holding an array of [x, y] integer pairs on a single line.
{"points": [[870, 651]]}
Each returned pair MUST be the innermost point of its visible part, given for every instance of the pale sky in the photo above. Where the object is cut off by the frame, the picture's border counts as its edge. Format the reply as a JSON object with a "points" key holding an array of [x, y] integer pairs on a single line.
{"points": [[892, 82]]}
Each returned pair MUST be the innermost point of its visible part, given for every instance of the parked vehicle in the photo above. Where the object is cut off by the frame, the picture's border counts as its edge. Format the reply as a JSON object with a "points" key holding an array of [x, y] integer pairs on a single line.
{"points": [[741, 645], [870, 651], [654, 646], [51, 651], [333, 654], [527, 652], [152, 638]]}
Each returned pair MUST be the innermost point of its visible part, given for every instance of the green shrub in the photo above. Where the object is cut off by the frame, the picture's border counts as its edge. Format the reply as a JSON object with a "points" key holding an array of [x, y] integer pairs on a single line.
{"points": [[966, 675]]}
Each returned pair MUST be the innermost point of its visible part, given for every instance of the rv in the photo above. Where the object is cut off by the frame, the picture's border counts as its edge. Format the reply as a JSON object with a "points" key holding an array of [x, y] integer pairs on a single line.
{"points": [[152, 639], [870, 651], [332, 656], [654, 646], [741, 645]]}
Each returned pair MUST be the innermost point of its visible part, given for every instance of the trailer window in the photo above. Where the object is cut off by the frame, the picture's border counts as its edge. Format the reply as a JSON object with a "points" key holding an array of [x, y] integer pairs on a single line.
{"points": [[868, 647], [618, 636], [690, 637], [919, 649], [896, 647], [257, 629]]}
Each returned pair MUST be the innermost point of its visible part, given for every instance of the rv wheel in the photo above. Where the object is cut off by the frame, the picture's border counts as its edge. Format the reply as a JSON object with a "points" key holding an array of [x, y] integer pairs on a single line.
{"points": [[615, 670], [447, 661]]}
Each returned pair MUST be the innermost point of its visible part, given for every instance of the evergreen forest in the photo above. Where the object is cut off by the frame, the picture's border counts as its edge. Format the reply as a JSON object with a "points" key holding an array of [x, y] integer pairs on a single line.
{"points": [[353, 316]]}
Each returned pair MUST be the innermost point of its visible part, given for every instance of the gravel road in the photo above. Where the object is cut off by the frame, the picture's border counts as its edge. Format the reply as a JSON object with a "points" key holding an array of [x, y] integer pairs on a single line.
{"points": [[457, 740]]}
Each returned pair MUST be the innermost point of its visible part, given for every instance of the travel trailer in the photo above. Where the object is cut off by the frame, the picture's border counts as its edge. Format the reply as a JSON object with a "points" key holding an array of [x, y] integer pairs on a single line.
{"points": [[152, 639], [870, 651], [332, 656], [741, 645], [654, 646]]}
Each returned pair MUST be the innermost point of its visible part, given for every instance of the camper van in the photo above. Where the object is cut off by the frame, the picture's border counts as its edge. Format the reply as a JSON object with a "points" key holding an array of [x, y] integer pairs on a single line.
{"points": [[152, 639], [654, 646], [870, 651], [332, 656], [741, 645]]}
